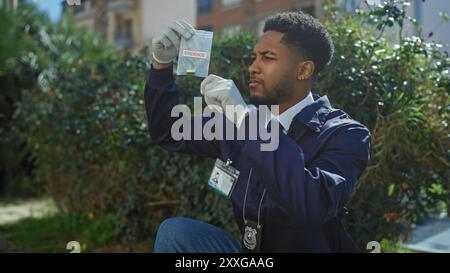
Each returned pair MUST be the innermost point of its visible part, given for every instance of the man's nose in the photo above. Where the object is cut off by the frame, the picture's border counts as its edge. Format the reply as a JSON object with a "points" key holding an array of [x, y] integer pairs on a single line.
{"points": [[254, 68]]}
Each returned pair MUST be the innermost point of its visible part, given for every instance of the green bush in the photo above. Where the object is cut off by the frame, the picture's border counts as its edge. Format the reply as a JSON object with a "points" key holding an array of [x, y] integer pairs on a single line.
{"points": [[398, 86], [84, 122], [31, 50], [86, 127], [20, 62]]}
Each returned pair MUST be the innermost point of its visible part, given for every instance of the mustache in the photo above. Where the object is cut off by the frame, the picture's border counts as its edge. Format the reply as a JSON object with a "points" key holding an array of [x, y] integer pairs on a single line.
{"points": [[255, 79]]}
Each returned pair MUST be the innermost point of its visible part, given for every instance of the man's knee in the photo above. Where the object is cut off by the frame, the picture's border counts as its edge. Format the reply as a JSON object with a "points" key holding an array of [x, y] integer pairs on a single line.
{"points": [[169, 234], [172, 226]]}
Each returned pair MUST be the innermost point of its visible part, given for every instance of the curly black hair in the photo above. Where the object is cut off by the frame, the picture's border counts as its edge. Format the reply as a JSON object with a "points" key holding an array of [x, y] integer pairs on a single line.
{"points": [[305, 35]]}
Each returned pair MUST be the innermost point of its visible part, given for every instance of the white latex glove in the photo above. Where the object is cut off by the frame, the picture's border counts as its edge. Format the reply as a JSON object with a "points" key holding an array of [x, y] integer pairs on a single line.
{"points": [[166, 43], [219, 92]]}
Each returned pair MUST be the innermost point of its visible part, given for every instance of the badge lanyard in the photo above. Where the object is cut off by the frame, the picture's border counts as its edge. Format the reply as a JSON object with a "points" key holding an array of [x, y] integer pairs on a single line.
{"points": [[251, 240]]}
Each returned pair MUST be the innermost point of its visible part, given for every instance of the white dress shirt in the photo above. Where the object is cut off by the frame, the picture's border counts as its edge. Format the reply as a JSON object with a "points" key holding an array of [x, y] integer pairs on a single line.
{"points": [[285, 118]]}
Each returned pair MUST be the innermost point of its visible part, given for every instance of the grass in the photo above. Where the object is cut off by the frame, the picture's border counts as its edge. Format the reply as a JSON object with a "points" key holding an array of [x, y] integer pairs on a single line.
{"points": [[95, 234], [51, 234], [391, 247], [37, 235]]}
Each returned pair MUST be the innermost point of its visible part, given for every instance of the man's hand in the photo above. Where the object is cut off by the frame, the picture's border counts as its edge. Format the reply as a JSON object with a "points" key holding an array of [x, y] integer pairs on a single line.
{"points": [[166, 43], [219, 93]]}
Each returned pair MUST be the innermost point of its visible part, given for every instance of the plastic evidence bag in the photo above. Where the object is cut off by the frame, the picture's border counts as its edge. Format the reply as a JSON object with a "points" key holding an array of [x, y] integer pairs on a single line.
{"points": [[195, 54]]}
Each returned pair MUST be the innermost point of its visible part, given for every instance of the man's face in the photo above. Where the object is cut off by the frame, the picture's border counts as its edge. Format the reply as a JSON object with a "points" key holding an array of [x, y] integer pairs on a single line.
{"points": [[273, 71]]}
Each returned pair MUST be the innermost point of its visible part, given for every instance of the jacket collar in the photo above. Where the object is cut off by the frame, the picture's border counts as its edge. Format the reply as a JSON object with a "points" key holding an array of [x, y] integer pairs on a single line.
{"points": [[314, 115]]}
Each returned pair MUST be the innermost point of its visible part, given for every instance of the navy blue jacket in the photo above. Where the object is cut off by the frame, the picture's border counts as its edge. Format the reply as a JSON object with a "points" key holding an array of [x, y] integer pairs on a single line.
{"points": [[308, 179]]}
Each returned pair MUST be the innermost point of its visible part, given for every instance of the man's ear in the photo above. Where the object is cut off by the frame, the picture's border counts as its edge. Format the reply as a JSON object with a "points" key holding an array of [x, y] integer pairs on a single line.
{"points": [[305, 70]]}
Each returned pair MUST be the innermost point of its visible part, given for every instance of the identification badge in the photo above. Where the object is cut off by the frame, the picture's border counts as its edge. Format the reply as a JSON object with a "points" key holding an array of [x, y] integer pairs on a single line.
{"points": [[251, 240], [223, 177]]}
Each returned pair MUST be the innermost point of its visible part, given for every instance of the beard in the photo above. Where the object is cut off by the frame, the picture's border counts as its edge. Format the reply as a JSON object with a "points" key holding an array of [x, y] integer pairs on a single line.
{"points": [[283, 88]]}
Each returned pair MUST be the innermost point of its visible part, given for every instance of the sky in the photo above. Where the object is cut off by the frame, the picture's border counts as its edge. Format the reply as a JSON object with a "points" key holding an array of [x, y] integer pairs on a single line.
{"points": [[52, 7]]}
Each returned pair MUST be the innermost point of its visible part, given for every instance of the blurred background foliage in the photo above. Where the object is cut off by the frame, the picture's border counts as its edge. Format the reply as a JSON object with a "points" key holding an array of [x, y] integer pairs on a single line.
{"points": [[398, 87], [73, 126]]}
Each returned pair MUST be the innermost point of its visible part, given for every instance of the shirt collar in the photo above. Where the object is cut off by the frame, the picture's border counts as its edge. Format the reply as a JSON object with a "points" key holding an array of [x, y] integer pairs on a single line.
{"points": [[285, 118]]}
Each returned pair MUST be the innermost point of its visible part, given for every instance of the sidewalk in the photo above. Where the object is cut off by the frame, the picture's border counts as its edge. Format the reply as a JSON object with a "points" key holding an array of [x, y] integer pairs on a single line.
{"points": [[432, 237]]}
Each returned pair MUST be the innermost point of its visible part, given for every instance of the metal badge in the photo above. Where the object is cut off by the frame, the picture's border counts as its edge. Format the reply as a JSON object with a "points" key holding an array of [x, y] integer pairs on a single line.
{"points": [[251, 240]]}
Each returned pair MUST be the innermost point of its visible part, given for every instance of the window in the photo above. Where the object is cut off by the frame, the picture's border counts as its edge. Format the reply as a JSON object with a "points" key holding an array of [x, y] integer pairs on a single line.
{"points": [[231, 30], [260, 27], [204, 7], [124, 33], [260, 23], [230, 3]]}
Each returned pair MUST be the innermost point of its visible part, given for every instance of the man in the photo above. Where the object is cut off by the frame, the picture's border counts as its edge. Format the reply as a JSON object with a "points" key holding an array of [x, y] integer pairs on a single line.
{"points": [[287, 200]]}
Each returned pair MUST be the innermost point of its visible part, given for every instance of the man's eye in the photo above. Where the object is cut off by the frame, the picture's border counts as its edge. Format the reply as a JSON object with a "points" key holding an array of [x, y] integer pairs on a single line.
{"points": [[267, 58]]}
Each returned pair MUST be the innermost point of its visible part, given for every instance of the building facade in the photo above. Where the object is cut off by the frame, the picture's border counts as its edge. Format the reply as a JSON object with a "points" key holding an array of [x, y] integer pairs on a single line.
{"points": [[227, 17], [129, 24], [429, 15], [432, 26], [158, 13], [8, 4], [117, 22], [132, 23]]}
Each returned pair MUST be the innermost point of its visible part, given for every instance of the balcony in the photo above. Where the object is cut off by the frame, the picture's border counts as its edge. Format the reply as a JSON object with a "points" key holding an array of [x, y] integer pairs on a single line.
{"points": [[114, 6]]}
